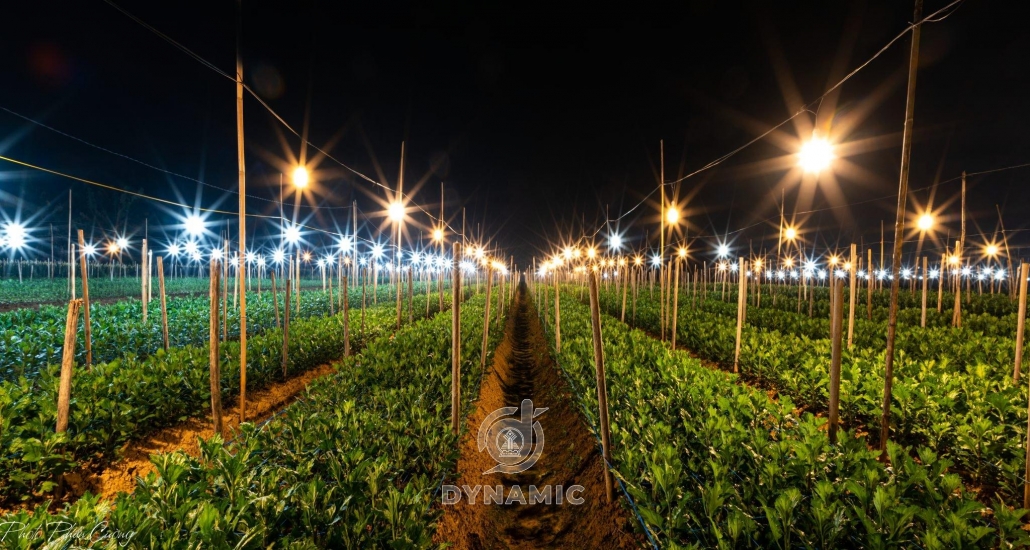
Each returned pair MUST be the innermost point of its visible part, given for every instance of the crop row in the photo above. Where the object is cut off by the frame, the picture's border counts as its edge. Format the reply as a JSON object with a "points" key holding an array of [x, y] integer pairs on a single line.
{"points": [[352, 465], [48, 291], [32, 339], [714, 463], [952, 390], [126, 398]]}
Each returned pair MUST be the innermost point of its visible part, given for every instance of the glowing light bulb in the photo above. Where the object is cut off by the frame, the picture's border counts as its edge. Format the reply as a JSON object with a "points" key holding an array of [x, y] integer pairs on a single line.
{"points": [[396, 211], [816, 155], [300, 177], [194, 225], [925, 222]]}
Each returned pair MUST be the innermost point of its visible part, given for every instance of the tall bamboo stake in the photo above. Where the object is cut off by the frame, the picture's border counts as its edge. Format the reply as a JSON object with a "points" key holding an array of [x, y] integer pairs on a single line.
{"points": [[836, 291], [899, 228], [1024, 272], [85, 300], [557, 315], [853, 295], [64, 392], [455, 339], [164, 303], [602, 386], [215, 375], [486, 318]]}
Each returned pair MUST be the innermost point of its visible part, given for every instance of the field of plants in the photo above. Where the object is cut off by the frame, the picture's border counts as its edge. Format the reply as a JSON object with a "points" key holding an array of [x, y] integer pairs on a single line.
{"points": [[135, 387], [953, 393], [354, 464], [713, 461]]}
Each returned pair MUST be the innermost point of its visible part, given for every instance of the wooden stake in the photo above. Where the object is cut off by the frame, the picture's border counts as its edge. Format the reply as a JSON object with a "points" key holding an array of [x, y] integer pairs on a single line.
{"points": [[455, 339], [853, 295], [1024, 272], [164, 303], [143, 281], [64, 392], [741, 309], [956, 315], [837, 320], [940, 281], [486, 318], [675, 303], [602, 387], [557, 315], [926, 281], [213, 355], [869, 288], [625, 291], [286, 329], [275, 301], [85, 299], [346, 320]]}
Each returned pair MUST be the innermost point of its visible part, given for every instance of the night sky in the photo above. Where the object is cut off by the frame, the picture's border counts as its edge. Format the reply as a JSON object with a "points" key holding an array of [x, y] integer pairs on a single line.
{"points": [[536, 118]]}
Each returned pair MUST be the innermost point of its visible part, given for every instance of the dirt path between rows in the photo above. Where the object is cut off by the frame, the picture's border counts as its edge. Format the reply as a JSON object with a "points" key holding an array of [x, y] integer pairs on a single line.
{"points": [[523, 369], [120, 476]]}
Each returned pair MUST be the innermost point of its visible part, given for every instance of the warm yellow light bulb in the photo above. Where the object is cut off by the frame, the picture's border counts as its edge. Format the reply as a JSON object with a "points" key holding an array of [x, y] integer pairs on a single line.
{"points": [[925, 222], [790, 233], [396, 211], [672, 215], [816, 155], [300, 177]]}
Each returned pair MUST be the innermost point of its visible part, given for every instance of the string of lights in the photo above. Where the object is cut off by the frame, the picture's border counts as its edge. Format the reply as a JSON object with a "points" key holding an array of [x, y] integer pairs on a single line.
{"points": [[294, 225]]}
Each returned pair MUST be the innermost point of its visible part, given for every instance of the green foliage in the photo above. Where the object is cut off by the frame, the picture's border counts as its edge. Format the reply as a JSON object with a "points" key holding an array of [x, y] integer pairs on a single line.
{"points": [[718, 464], [126, 398], [355, 464]]}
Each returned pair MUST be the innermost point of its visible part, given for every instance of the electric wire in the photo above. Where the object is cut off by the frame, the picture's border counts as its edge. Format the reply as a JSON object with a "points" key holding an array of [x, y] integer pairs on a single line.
{"points": [[276, 115]]}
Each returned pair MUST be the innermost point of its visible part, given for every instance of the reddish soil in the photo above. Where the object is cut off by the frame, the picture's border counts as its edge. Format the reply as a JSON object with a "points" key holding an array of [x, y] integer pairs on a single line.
{"points": [[121, 475], [523, 369], [107, 479]]}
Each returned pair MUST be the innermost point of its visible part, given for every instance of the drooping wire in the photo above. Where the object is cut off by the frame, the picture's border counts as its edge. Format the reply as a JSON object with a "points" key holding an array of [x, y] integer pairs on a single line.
{"points": [[110, 187], [276, 115], [151, 166], [934, 17]]}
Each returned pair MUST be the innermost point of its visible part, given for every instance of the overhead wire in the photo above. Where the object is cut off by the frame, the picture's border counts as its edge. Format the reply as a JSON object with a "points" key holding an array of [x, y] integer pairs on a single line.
{"points": [[171, 202], [158, 168], [274, 114], [806, 108]]}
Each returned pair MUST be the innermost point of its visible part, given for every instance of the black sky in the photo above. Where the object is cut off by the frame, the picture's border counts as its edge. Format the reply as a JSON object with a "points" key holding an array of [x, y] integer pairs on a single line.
{"points": [[536, 118]]}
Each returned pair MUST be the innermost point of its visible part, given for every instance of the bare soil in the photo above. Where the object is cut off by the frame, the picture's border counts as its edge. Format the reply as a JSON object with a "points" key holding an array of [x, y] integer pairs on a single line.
{"points": [[108, 478], [523, 369]]}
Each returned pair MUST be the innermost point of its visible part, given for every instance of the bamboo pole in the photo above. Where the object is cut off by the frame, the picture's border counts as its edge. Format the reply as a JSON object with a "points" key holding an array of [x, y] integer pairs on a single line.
{"points": [[926, 279], [741, 310], [836, 290], [956, 315], [455, 339], [286, 328], [602, 386], [164, 302], [143, 281], [486, 318], [625, 291], [675, 303], [275, 301], [557, 315], [853, 295], [940, 281], [899, 229], [869, 287], [223, 271], [346, 320], [215, 375], [1024, 272], [64, 392], [85, 299]]}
